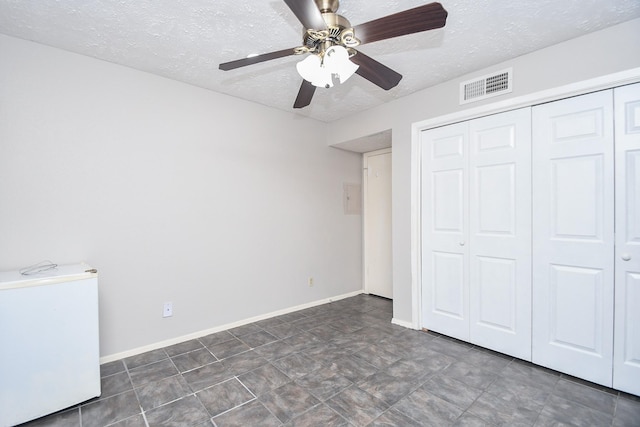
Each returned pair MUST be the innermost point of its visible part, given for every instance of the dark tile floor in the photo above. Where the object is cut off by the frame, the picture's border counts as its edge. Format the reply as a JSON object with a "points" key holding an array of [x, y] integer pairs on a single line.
{"points": [[339, 364]]}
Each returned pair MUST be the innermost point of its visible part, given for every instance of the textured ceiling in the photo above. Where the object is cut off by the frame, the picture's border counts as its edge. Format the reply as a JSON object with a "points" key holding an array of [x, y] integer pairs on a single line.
{"points": [[186, 40]]}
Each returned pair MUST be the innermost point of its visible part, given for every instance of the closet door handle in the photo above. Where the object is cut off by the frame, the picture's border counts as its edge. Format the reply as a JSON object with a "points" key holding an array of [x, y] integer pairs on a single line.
{"points": [[626, 257], [461, 243]]}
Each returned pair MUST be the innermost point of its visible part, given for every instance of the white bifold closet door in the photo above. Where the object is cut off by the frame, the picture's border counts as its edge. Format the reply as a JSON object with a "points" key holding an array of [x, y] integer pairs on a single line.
{"points": [[445, 229], [476, 231], [500, 232], [626, 364], [573, 240]]}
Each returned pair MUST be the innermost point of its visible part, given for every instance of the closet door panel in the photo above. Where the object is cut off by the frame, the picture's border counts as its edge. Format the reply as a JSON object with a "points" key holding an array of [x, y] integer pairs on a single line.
{"points": [[500, 232], [582, 177], [626, 368], [495, 189], [573, 236], [581, 328], [496, 307], [448, 298], [448, 204], [445, 292]]}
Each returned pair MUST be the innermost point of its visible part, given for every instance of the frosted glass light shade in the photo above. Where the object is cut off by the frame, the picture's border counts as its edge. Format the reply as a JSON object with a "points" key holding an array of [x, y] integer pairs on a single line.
{"points": [[336, 59], [311, 70], [319, 72]]}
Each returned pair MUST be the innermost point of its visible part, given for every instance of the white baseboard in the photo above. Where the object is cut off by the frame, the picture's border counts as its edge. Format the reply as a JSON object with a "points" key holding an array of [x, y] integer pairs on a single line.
{"points": [[403, 323], [183, 338]]}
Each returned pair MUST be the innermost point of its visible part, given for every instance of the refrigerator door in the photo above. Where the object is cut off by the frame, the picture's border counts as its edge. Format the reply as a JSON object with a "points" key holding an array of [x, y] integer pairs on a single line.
{"points": [[49, 342]]}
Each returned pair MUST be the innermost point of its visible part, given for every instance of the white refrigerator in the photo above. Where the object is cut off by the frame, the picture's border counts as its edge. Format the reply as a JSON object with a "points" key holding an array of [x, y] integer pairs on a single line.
{"points": [[49, 342]]}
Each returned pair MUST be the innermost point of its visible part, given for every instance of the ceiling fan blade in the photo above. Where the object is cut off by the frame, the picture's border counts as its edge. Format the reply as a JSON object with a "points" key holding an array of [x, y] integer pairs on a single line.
{"points": [[304, 95], [307, 13], [375, 72], [256, 59], [418, 19]]}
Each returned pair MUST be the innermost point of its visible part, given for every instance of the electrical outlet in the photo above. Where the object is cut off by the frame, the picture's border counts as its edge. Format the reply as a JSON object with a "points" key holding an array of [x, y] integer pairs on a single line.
{"points": [[310, 281], [167, 310]]}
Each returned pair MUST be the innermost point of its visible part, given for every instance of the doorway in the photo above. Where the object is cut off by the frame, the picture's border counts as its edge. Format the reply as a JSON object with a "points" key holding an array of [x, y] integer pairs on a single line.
{"points": [[377, 255]]}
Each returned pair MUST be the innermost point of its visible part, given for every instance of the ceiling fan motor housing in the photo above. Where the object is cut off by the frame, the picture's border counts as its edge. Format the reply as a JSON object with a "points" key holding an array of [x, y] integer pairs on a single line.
{"points": [[328, 5], [338, 32]]}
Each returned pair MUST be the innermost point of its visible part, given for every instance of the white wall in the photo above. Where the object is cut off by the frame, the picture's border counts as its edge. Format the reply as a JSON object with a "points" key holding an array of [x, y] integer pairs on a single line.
{"points": [[597, 54], [173, 192]]}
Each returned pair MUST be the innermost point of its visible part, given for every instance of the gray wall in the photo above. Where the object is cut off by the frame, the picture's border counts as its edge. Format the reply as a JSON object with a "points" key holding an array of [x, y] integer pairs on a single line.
{"points": [[174, 193]]}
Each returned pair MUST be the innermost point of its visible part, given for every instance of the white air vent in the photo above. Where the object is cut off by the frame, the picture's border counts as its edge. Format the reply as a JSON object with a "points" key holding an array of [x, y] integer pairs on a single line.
{"points": [[486, 86]]}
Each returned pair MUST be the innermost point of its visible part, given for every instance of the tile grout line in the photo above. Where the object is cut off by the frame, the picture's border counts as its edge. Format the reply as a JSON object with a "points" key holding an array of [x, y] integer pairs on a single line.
{"points": [[126, 368], [579, 404], [235, 407], [546, 399], [408, 394], [551, 392], [179, 373]]}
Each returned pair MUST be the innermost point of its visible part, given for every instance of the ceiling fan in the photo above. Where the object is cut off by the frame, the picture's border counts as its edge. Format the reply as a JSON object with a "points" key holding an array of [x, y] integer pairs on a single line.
{"points": [[331, 41]]}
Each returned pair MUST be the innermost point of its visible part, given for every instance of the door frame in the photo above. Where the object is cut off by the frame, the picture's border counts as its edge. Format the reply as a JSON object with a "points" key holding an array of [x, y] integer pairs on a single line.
{"points": [[579, 88], [365, 185]]}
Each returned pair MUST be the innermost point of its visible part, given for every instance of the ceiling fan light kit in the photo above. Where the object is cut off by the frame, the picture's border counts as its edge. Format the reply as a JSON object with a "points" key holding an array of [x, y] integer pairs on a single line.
{"points": [[330, 41], [320, 69]]}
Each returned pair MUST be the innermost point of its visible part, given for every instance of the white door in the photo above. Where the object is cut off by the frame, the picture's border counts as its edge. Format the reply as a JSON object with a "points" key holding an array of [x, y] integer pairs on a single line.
{"points": [[626, 368], [500, 232], [573, 236], [445, 254], [377, 224]]}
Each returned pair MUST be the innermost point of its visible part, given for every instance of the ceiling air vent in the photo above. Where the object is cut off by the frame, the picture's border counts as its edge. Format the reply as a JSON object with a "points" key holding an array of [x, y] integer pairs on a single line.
{"points": [[486, 86]]}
